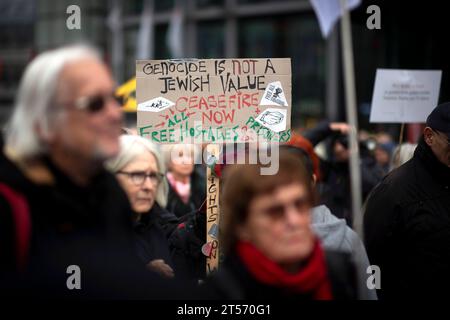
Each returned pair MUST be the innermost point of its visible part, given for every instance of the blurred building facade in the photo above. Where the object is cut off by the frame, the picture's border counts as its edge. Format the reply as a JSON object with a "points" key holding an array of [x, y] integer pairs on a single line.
{"points": [[16, 47]]}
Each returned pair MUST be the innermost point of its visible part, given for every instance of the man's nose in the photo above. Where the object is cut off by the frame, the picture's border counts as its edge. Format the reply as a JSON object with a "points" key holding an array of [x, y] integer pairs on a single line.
{"points": [[114, 109]]}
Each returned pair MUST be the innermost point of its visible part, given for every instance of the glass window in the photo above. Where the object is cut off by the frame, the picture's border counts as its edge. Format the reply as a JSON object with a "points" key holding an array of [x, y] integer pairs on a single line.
{"points": [[299, 38], [130, 35], [210, 39], [160, 47]]}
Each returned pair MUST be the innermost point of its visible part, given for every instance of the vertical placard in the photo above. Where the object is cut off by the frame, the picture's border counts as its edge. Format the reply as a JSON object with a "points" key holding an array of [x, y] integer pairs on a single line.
{"points": [[211, 248]]}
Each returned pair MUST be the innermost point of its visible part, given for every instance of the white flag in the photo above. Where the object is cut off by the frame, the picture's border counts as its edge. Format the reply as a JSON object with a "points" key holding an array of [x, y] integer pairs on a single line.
{"points": [[328, 12], [174, 37], [113, 21], [144, 46]]}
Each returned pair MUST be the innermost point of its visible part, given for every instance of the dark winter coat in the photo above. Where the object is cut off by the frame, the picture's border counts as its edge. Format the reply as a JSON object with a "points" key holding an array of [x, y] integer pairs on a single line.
{"points": [[407, 228], [233, 281], [87, 227], [186, 247], [151, 240]]}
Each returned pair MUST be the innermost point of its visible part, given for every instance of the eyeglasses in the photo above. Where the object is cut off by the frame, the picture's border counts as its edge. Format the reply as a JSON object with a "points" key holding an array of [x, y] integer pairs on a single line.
{"points": [[138, 177], [277, 211], [98, 102]]}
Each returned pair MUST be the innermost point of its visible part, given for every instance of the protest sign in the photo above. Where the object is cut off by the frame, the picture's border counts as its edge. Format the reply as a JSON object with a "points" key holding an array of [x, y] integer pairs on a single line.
{"points": [[214, 100], [404, 96]]}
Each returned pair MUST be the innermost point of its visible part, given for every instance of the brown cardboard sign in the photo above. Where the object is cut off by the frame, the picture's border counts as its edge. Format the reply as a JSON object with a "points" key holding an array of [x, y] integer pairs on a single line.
{"points": [[214, 100]]}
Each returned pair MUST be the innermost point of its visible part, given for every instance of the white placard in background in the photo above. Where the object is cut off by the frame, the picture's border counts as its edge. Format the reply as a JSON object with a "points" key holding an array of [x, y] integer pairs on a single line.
{"points": [[404, 96]]}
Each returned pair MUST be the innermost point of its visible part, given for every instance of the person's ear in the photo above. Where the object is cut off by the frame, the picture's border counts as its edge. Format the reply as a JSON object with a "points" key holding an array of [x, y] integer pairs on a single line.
{"points": [[314, 179], [428, 136]]}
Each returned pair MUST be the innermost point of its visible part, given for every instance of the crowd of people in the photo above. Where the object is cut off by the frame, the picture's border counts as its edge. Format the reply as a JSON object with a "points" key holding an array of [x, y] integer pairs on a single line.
{"points": [[76, 188]]}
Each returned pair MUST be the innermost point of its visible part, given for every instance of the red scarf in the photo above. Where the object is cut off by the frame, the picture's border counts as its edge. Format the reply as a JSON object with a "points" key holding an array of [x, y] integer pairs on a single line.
{"points": [[312, 278]]}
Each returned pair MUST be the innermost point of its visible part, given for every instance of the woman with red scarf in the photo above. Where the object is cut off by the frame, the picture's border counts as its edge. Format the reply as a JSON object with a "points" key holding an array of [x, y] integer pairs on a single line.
{"points": [[271, 251]]}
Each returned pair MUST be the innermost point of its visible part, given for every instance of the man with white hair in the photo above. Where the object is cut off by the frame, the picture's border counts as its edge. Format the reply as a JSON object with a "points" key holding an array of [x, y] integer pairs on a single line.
{"points": [[66, 223]]}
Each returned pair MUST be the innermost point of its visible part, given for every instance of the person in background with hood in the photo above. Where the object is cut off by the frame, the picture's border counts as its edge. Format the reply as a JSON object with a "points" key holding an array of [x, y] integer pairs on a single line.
{"points": [[334, 233]]}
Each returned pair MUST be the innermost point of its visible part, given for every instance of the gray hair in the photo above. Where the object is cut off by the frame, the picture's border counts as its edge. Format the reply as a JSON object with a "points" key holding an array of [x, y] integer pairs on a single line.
{"points": [[35, 101], [131, 146]]}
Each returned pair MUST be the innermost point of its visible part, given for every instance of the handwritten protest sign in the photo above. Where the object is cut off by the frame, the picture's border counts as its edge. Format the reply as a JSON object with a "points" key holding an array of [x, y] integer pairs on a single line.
{"points": [[404, 96], [214, 100]]}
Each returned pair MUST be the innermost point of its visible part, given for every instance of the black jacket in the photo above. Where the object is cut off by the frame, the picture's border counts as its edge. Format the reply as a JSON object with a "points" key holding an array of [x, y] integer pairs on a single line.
{"points": [[167, 221], [70, 225], [186, 247], [233, 281], [407, 228]]}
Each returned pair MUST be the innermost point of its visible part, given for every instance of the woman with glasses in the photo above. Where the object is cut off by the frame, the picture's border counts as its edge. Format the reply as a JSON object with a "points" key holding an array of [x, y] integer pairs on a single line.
{"points": [[271, 251], [140, 171]]}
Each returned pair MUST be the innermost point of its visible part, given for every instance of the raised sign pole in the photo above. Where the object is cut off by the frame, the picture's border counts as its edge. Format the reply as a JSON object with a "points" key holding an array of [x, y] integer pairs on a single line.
{"points": [[211, 248]]}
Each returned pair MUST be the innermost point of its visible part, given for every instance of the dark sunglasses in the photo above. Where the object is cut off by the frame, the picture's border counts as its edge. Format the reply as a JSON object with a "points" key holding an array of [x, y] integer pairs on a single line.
{"points": [[98, 102]]}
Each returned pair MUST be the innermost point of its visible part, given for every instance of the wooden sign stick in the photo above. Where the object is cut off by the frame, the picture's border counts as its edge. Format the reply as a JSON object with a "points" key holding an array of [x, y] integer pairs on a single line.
{"points": [[211, 248], [400, 142]]}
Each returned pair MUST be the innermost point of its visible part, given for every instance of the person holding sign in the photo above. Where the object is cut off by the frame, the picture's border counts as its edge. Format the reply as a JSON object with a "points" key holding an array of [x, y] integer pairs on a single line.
{"points": [[407, 218], [271, 251]]}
